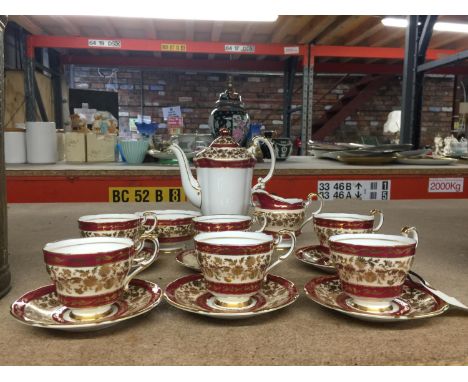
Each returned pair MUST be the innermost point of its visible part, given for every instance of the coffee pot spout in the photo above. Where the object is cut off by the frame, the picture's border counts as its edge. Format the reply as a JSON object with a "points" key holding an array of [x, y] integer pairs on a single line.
{"points": [[189, 183]]}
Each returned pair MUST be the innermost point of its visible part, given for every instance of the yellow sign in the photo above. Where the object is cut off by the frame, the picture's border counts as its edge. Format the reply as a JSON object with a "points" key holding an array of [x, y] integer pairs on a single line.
{"points": [[174, 47], [146, 194]]}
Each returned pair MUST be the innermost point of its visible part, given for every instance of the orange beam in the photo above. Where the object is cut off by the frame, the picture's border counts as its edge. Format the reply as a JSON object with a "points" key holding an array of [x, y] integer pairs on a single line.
{"points": [[89, 189], [179, 46], [373, 52]]}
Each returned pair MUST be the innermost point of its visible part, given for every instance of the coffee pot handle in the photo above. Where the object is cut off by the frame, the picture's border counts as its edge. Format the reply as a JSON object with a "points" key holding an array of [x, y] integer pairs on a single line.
{"points": [[308, 204], [277, 242], [381, 216], [140, 263], [410, 232], [262, 181]]}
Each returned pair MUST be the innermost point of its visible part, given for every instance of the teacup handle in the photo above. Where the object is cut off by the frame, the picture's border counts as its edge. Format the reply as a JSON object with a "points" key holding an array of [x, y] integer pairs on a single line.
{"points": [[141, 263], [410, 232], [277, 242], [381, 216], [146, 215], [256, 219], [308, 204]]}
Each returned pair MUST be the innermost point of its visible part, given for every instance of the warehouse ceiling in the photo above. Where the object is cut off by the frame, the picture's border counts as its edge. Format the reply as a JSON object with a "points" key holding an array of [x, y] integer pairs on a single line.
{"points": [[320, 30]]}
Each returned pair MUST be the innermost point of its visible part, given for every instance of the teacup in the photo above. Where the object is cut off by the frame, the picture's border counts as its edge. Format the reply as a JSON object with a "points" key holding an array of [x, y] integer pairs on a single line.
{"points": [[284, 213], [373, 267], [235, 263], [329, 224], [174, 227], [90, 274], [218, 223], [131, 226]]}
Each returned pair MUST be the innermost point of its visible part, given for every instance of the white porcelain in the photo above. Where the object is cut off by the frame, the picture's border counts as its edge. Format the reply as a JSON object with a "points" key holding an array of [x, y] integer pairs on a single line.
{"points": [[216, 223], [224, 176], [284, 213], [41, 142], [373, 267], [174, 229], [336, 223], [234, 263], [90, 274], [15, 147], [42, 308], [190, 294]]}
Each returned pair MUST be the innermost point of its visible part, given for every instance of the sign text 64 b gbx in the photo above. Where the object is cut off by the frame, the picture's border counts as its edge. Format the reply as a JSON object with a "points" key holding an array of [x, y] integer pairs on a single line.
{"points": [[146, 194]]}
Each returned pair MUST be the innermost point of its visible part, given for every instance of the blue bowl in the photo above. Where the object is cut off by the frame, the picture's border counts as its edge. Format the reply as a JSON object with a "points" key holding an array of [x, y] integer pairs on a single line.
{"points": [[146, 128]]}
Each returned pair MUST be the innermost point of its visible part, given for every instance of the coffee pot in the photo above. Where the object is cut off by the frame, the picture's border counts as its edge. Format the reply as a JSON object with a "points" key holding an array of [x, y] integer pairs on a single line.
{"points": [[224, 175]]}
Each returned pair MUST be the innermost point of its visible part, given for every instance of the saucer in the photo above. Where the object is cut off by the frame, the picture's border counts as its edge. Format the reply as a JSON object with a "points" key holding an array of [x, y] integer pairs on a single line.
{"points": [[41, 308], [188, 259], [414, 303], [189, 293], [313, 255]]}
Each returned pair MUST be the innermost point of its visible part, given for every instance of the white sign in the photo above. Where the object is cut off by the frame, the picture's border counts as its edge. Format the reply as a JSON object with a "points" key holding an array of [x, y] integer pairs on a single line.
{"points": [[239, 48], [445, 185], [172, 111], [291, 50], [355, 189], [116, 44]]}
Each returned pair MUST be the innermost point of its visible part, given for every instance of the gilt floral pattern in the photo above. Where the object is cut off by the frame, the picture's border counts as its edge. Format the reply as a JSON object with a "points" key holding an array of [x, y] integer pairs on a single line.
{"points": [[47, 310], [88, 281], [132, 233], [372, 271], [276, 221], [234, 269], [324, 233], [171, 231], [327, 291]]}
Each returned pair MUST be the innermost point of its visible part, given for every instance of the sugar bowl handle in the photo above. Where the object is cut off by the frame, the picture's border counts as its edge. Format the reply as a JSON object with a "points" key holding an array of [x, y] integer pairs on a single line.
{"points": [[262, 181], [308, 205], [381, 219], [411, 233], [277, 242], [140, 263]]}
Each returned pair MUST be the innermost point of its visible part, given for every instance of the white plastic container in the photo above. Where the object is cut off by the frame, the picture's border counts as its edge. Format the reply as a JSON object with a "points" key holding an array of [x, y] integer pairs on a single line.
{"points": [[41, 142], [15, 145]]}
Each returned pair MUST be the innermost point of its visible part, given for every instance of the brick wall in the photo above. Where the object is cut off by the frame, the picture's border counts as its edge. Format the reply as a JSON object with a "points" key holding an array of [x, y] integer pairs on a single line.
{"points": [[196, 93]]}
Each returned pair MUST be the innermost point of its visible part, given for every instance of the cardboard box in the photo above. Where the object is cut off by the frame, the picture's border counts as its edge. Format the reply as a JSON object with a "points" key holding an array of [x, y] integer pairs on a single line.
{"points": [[101, 147], [463, 108], [75, 147]]}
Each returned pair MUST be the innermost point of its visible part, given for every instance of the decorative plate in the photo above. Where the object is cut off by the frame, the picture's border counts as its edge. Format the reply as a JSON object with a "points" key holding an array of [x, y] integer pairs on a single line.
{"points": [[315, 256], [189, 293], [188, 259], [427, 161], [414, 303], [366, 160], [41, 308]]}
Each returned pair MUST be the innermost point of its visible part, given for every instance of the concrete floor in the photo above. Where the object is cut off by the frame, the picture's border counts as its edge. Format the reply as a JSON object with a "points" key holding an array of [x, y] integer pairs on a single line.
{"points": [[302, 334]]}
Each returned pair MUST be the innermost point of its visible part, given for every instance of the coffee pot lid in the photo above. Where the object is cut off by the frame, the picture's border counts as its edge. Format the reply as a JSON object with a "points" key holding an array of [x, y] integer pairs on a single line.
{"points": [[224, 152]]}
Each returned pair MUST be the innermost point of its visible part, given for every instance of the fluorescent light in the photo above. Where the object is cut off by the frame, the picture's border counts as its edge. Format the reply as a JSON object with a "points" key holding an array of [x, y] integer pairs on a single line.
{"points": [[438, 26], [451, 27], [394, 22], [178, 15]]}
